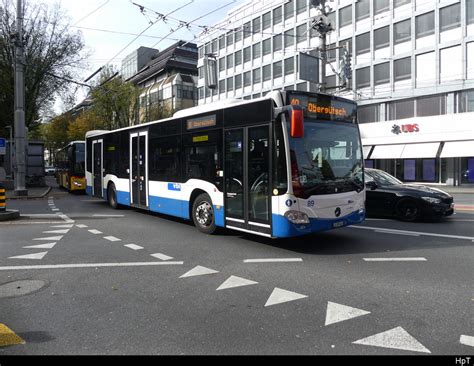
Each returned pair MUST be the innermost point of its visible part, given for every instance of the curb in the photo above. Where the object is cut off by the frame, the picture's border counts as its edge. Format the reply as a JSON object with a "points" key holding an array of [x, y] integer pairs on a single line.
{"points": [[30, 197], [9, 215]]}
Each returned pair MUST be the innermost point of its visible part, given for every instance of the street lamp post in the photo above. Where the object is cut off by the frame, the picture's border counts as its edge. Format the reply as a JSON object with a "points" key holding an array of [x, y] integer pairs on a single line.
{"points": [[20, 131]]}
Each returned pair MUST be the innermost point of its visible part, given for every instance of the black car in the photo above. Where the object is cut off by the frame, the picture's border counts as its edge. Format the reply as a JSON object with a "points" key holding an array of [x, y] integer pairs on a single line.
{"points": [[387, 196]]}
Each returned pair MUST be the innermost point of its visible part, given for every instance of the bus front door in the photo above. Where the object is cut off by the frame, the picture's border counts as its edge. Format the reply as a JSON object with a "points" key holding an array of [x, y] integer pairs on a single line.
{"points": [[138, 169], [247, 184], [97, 168]]}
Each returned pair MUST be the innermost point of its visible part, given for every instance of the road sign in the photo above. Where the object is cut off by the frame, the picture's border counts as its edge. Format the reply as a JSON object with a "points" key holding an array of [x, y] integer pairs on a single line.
{"points": [[3, 146]]}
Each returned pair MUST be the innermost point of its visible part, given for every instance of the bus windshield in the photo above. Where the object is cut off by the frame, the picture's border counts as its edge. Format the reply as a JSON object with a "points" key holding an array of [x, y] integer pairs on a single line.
{"points": [[79, 159], [327, 160]]}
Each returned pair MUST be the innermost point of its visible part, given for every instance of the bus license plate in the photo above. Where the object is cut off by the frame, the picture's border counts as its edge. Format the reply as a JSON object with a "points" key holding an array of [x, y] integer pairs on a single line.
{"points": [[338, 224]]}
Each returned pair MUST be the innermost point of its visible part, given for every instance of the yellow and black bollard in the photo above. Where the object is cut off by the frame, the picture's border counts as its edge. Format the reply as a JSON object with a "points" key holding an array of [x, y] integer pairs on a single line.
{"points": [[3, 198]]}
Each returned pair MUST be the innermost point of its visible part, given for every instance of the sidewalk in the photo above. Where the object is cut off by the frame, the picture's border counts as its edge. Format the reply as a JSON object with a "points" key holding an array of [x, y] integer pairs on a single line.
{"points": [[33, 193]]}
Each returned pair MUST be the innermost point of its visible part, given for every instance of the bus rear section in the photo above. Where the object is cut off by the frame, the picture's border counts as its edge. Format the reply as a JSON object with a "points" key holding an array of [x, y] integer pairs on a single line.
{"points": [[70, 167], [237, 165]]}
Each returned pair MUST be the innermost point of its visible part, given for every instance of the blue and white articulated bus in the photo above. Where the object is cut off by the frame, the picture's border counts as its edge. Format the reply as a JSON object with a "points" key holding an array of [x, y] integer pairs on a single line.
{"points": [[284, 165]]}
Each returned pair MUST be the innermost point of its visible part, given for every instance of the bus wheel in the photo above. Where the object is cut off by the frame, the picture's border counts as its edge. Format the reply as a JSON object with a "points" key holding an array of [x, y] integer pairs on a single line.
{"points": [[203, 214], [112, 196]]}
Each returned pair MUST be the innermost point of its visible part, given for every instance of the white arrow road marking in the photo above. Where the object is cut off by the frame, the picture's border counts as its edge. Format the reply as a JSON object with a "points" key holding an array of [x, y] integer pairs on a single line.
{"points": [[51, 238], [30, 256], [94, 231], [396, 338], [65, 231], [133, 246], [63, 226], [42, 246], [279, 296], [234, 281], [161, 256], [198, 271], [337, 313], [467, 340]]}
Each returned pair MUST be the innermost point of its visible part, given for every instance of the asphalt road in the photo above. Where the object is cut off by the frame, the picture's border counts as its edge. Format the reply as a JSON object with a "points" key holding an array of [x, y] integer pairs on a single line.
{"points": [[78, 278]]}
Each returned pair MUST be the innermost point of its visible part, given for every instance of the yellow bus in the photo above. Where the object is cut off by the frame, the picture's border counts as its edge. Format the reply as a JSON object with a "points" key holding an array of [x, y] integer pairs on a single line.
{"points": [[70, 164]]}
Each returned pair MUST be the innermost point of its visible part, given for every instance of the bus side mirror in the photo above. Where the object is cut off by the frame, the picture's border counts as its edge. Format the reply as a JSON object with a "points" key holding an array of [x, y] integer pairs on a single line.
{"points": [[296, 122]]}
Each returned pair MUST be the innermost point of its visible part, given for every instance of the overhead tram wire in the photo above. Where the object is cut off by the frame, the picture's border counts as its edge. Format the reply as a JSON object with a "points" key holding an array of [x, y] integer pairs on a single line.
{"points": [[92, 12]]}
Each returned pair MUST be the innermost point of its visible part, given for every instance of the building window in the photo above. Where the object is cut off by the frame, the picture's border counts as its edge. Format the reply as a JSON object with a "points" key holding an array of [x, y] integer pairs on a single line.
{"points": [[465, 101], [363, 78], [247, 78], [397, 3], [470, 11], [289, 9], [267, 73], [221, 42], [362, 9], [247, 30], [402, 32], [301, 6], [424, 25], [277, 13], [238, 81], [267, 46], [363, 43], [238, 58], [431, 106], [381, 38], [381, 6], [247, 55], [402, 69], [256, 25], [277, 69], [289, 38], [301, 32], [345, 16], [266, 20], [256, 50], [368, 113], [289, 66], [450, 17], [230, 84], [230, 38], [230, 61], [401, 109], [222, 86], [238, 35], [256, 76], [222, 64], [382, 74], [277, 43]]}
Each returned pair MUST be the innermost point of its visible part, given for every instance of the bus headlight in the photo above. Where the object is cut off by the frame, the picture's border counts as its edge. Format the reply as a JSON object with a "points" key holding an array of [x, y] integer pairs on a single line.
{"points": [[77, 184], [297, 217]]}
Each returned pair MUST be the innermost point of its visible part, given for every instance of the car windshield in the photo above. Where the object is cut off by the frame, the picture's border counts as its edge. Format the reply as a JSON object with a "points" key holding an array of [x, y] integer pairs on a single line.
{"points": [[383, 178], [327, 160]]}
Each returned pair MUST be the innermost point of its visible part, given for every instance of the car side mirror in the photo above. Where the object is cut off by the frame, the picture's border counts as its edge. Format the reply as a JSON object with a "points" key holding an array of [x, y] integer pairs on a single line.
{"points": [[371, 185]]}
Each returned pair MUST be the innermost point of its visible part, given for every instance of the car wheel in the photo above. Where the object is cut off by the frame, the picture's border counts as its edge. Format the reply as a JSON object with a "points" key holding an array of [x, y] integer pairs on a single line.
{"points": [[112, 196], [203, 214], [407, 210]]}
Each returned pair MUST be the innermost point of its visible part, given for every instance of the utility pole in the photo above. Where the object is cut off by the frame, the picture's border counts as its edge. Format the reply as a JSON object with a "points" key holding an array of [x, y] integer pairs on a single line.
{"points": [[20, 131], [323, 26]]}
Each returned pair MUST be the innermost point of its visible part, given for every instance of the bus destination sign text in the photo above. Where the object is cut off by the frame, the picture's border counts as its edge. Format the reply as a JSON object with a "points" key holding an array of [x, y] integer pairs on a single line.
{"points": [[207, 121]]}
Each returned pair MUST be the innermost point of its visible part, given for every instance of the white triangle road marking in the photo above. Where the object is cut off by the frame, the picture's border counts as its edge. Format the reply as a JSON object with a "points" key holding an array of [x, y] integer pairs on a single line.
{"points": [[234, 281], [63, 226], [198, 271], [337, 313], [280, 296], [396, 338], [82, 226], [94, 231], [112, 238], [30, 256], [42, 246], [65, 231], [133, 246], [467, 340], [51, 238], [161, 256]]}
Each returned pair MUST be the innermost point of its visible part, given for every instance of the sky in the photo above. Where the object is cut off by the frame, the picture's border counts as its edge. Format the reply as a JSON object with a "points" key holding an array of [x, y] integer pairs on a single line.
{"points": [[111, 28]]}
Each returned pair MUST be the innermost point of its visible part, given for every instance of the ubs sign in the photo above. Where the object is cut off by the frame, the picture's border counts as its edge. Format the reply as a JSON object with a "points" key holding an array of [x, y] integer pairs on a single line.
{"points": [[409, 128]]}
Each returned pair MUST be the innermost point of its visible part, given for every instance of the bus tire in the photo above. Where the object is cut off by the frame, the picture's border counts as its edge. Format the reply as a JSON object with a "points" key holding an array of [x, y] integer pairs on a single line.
{"points": [[112, 196], [203, 214]]}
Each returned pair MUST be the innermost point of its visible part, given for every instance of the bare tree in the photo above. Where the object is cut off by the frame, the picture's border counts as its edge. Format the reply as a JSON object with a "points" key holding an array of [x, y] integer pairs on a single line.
{"points": [[52, 55]]}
